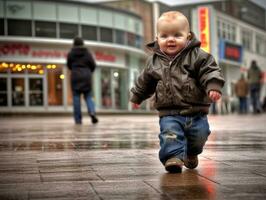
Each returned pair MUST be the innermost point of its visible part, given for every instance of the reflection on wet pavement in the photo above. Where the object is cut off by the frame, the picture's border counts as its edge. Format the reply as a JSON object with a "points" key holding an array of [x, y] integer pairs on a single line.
{"points": [[50, 158]]}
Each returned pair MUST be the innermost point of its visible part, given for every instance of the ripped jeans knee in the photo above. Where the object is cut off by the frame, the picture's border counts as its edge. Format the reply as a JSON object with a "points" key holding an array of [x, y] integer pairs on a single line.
{"points": [[171, 145]]}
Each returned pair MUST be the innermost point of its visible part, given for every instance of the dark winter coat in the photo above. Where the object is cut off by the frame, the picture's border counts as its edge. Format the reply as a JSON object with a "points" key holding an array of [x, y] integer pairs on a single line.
{"points": [[81, 64], [181, 85]]}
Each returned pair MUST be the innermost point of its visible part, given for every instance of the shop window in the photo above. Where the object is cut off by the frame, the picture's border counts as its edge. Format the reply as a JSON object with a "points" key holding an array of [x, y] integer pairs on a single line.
{"points": [[106, 88], [138, 42], [226, 30], [45, 29], [89, 32], [120, 88], [18, 89], [131, 39], [106, 35], [247, 39], [69, 90], [68, 31], [55, 86], [19, 27], [120, 37], [2, 27], [260, 45], [3, 92], [36, 91]]}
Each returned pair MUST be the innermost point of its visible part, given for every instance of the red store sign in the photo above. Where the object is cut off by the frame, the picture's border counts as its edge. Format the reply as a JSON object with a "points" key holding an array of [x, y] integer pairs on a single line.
{"points": [[18, 49]]}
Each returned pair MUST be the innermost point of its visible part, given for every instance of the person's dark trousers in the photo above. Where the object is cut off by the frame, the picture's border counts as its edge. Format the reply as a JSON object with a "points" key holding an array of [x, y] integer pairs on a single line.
{"points": [[255, 97], [243, 106], [77, 105]]}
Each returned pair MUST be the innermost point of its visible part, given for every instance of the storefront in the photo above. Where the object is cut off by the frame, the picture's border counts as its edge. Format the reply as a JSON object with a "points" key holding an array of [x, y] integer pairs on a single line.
{"points": [[34, 76], [35, 37]]}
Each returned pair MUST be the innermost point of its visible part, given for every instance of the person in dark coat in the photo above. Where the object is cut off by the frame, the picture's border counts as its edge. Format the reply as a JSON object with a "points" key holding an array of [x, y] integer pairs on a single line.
{"points": [[82, 65], [254, 79]]}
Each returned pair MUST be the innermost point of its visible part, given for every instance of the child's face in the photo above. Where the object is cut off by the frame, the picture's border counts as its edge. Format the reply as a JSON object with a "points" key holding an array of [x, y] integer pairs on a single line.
{"points": [[173, 35]]}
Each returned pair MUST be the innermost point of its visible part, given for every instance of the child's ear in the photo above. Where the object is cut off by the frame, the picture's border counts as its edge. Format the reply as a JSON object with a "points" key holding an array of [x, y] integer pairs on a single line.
{"points": [[189, 36]]}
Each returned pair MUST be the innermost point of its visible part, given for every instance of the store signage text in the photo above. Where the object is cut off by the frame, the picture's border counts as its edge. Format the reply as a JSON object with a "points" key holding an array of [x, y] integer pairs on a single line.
{"points": [[230, 51], [26, 50], [104, 57], [204, 28], [17, 49]]}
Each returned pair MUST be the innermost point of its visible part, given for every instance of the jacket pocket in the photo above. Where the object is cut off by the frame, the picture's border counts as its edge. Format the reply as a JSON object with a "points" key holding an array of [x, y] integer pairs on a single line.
{"points": [[193, 93], [162, 95]]}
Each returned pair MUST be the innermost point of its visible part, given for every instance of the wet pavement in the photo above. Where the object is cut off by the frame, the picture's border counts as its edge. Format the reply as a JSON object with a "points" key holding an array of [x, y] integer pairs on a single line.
{"points": [[51, 158]]}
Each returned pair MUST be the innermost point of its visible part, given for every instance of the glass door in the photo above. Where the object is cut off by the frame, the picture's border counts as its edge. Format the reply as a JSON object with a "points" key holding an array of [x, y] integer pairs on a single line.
{"points": [[3, 91], [36, 91], [106, 88], [18, 91], [120, 86], [114, 88]]}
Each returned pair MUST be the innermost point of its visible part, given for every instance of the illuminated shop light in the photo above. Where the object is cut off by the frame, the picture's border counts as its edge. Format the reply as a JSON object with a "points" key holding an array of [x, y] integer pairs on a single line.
{"points": [[23, 66], [116, 74], [62, 76]]}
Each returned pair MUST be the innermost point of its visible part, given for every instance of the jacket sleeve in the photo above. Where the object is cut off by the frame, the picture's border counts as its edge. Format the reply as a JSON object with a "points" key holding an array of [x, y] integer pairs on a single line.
{"points": [[69, 61], [144, 86], [209, 73]]}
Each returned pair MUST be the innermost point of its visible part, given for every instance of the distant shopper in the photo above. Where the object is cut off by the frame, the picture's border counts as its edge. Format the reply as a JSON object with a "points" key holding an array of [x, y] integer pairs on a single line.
{"points": [[82, 65], [185, 80], [254, 79], [241, 91]]}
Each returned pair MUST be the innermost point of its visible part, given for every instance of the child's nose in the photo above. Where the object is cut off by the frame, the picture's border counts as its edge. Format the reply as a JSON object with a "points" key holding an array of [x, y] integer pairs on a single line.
{"points": [[171, 38]]}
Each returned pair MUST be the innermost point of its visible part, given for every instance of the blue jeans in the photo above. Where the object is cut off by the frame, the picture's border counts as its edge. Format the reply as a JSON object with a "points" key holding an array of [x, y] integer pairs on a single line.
{"points": [[255, 97], [77, 105], [243, 106], [182, 135]]}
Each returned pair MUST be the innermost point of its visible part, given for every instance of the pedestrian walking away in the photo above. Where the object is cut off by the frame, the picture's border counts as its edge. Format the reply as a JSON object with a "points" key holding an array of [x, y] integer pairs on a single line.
{"points": [[185, 80], [254, 79], [82, 65], [241, 91]]}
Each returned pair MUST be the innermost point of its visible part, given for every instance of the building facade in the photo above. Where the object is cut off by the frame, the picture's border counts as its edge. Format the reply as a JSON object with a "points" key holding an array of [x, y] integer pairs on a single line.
{"points": [[234, 32], [35, 37]]}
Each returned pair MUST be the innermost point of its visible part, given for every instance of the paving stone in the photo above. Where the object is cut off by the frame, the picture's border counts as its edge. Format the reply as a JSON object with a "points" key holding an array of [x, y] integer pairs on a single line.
{"points": [[51, 158]]}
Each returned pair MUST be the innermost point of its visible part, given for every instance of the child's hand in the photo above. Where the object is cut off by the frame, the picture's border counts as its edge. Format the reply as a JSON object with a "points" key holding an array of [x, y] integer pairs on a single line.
{"points": [[214, 95], [135, 106]]}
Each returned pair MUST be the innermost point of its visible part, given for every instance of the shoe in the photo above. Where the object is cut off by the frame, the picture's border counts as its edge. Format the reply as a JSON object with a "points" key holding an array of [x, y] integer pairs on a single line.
{"points": [[173, 165], [94, 120], [191, 162]]}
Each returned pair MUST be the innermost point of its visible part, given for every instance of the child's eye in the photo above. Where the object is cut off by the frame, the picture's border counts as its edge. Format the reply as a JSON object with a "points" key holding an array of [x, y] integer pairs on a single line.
{"points": [[163, 36]]}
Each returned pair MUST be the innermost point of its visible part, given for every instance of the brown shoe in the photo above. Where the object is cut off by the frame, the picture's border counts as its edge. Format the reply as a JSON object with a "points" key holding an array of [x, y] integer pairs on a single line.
{"points": [[174, 165], [191, 162]]}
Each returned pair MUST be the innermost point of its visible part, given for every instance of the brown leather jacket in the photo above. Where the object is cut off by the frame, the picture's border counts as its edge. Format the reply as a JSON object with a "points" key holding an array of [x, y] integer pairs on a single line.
{"points": [[181, 85], [241, 88]]}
